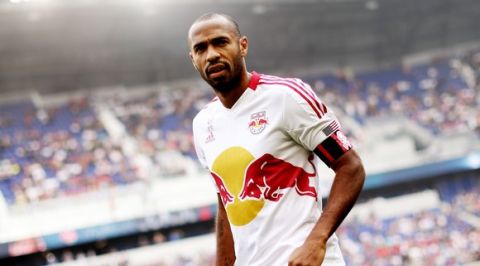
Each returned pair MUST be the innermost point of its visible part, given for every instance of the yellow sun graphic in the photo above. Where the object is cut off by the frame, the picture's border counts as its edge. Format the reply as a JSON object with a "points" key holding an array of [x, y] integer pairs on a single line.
{"points": [[231, 166]]}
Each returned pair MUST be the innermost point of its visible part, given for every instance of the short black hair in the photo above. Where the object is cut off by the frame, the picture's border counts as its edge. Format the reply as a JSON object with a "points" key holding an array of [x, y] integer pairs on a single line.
{"points": [[210, 15]]}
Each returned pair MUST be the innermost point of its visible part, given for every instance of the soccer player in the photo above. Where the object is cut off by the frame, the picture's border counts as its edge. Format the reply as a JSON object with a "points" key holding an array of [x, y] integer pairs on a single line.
{"points": [[258, 138]]}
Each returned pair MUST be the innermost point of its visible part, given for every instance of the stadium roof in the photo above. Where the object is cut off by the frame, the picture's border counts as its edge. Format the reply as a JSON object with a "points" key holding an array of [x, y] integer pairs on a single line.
{"points": [[54, 45]]}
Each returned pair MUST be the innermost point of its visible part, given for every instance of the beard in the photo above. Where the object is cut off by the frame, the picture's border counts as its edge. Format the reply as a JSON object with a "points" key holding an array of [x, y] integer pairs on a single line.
{"points": [[230, 80]]}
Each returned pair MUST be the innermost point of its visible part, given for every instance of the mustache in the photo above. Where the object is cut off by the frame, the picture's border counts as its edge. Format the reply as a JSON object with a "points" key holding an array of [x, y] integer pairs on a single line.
{"points": [[216, 66]]}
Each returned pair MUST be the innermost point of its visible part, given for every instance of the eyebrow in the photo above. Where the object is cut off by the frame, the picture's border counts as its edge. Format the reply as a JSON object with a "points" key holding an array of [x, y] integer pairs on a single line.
{"points": [[218, 38]]}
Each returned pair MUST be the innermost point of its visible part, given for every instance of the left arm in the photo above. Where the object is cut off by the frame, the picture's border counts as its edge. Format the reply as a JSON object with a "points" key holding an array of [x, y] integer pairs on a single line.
{"points": [[348, 182], [315, 127]]}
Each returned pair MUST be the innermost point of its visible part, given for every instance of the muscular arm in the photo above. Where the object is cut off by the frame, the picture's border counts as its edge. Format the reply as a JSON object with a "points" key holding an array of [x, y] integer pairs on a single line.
{"points": [[348, 182], [225, 249]]}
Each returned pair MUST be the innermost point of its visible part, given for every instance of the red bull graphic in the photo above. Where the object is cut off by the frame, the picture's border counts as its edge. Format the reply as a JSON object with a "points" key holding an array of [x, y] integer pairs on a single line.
{"points": [[258, 122], [224, 194], [267, 176], [245, 183]]}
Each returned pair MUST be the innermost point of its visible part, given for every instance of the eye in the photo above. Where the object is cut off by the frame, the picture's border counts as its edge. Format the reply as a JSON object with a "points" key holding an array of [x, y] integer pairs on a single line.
{"points": [[199, 48], [220, 42]]}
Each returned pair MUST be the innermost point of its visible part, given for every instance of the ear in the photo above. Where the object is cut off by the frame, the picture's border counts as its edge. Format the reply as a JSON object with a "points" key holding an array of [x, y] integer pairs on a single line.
{"points": [[243, 46], [193, 62]]}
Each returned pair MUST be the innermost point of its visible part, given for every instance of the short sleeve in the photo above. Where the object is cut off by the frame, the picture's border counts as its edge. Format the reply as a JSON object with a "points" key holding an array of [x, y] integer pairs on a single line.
{"points": [[198, 148], [201, 157], [314, 126]]}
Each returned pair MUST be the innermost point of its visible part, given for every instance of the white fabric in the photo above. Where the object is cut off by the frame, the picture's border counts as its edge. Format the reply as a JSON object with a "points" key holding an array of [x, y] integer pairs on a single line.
{"points": [[229, 141]]}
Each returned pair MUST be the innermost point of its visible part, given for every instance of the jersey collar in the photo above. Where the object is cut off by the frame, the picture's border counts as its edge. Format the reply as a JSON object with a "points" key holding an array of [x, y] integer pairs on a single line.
{"points": [[252, 84]]}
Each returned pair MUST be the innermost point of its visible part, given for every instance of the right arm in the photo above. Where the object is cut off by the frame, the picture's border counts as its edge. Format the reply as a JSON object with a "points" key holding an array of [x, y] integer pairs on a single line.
{"points": [[225, 249]]}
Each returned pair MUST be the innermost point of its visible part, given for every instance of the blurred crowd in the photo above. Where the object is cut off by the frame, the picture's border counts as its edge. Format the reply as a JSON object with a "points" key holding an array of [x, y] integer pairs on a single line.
{"points": [[161, 123], [429, 237], [62, 150], [47, 152], [469, 202], [115, 251], [443, 96], [433, 237], [447, 235]]}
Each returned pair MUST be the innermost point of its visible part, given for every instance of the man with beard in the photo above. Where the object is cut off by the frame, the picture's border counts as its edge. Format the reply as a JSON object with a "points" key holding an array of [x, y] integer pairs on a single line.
{"points": [[257, 138]]}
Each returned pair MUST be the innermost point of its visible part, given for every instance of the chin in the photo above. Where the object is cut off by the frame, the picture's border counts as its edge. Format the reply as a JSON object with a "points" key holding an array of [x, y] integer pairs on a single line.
{"points": [[221, 86], [219, 81], [223, 83]]}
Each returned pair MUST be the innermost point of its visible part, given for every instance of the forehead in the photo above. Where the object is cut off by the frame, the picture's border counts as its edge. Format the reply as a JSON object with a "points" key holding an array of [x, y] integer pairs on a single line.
{"points": [[202, 31]]}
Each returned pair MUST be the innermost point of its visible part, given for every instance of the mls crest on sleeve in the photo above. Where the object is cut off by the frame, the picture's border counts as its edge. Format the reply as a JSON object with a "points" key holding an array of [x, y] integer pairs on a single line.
{"points": [[258, 122]]}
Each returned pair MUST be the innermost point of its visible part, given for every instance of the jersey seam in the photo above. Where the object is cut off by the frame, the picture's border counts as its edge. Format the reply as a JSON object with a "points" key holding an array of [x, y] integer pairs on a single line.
{"points": [[291, 131]]}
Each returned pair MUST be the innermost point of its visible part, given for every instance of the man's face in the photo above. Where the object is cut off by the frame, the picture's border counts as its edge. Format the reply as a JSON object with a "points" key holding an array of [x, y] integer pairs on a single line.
{"points": [[217, 52]]}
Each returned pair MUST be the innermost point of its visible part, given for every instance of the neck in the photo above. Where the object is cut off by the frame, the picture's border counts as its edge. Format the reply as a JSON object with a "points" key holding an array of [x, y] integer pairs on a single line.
{"points": [[229, 98]]}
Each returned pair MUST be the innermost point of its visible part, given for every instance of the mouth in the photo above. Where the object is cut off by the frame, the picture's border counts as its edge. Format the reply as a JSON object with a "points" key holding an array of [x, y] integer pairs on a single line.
{"points": [[216, 70]]}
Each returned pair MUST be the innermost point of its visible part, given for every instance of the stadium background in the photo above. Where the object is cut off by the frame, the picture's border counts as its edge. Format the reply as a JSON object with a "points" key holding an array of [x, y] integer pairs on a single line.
{"points": [[96, 158]]}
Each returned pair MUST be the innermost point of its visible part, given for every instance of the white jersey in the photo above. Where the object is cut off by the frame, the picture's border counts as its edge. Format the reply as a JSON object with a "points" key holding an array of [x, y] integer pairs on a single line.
{"points": [[260, 154]]}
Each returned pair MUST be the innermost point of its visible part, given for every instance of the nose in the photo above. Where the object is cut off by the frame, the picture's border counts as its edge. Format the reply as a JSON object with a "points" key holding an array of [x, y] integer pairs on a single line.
{"points": [[212, 54]]}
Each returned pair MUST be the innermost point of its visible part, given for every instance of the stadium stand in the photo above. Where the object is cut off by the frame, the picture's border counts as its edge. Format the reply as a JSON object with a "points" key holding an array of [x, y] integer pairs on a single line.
{"points": [[65, 149], [161, 123], [424, 94], [77, 146], [420, 229], [57, 151], [430, 237], [97, 165]]}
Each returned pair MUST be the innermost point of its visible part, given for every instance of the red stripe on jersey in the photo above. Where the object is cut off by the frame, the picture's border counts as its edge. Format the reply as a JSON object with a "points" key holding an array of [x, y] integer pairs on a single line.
{"points": [[325, 153], [296, 90], [252, 84], [301, 87], [309, 90], [302, 84], [324, 108]]}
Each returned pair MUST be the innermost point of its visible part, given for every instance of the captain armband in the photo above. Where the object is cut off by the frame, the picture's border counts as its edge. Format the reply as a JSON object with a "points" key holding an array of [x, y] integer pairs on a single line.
{"points": [[333, 147]]}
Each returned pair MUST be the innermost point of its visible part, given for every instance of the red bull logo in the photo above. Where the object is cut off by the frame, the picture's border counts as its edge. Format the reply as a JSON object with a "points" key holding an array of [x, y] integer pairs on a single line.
{"points": [[267, 176], [258, 122], [224, 194], [245, 184]]}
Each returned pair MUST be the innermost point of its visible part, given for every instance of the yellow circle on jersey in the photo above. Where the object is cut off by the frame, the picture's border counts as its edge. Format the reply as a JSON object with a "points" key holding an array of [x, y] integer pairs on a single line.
{"points": [[231, 166]]}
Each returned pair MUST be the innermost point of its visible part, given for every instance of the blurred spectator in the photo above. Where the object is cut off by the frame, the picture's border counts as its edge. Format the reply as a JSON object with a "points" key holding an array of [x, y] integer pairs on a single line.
{"points": [[64, 150]]}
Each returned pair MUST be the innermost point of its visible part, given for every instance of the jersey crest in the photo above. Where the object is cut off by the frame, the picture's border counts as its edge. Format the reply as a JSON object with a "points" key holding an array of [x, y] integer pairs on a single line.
{"points": [[258, 122]]}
